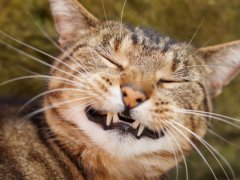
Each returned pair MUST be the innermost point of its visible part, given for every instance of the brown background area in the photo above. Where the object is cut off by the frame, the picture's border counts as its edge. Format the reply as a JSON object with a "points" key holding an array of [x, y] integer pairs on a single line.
{"points": [[178, 19]]}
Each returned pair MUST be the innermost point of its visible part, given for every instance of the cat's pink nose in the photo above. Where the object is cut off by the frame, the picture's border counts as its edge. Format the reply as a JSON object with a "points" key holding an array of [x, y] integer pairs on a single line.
{"points": [[132, 97]]}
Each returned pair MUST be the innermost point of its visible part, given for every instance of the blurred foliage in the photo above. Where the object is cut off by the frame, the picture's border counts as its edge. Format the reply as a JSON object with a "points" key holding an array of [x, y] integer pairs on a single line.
{"points": [[178, 19]]}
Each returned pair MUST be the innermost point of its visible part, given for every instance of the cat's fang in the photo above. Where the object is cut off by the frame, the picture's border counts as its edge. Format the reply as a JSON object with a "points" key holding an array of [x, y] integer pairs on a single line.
{"points": [[135, 124], [140, 130], [115, 118], [109, 118]]}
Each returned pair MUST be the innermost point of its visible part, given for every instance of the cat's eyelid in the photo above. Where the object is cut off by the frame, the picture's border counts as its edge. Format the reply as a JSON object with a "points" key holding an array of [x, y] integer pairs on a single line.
{"points": [[110, 60], [172, 80]]}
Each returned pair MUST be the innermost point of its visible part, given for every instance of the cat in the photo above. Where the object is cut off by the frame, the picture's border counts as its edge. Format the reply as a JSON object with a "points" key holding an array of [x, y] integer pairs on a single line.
{"points": [[123, 102]]}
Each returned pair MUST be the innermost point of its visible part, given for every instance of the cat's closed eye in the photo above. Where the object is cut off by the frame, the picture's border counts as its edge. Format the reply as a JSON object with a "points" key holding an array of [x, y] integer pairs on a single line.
{"points": [[166, 80], [110, 60]]}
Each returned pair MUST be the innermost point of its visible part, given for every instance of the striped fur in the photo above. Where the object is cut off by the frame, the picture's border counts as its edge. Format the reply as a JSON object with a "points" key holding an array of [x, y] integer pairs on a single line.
{"points": [[99, 58]]}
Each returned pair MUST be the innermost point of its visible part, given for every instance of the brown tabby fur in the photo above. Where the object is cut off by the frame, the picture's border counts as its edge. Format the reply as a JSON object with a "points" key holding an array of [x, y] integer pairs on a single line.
{"points": [[26, 153], [100, 56]]}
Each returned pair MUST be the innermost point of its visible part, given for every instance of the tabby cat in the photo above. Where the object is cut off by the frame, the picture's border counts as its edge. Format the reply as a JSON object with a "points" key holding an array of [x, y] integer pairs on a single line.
{"points": [[123, 102]]}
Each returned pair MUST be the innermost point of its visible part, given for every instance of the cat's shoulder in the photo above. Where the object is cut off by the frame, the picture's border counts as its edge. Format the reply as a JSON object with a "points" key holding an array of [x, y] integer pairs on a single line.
{"points": [[25, 151], [12, 122]]}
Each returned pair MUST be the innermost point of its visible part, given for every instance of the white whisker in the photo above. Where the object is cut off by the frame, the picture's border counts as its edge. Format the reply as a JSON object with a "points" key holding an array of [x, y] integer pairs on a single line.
{"points": [[208, 116], [39, 76], [38, 50], [37, 59], [104, 10], [194, 35], [212, 150], [211, 113], [51, 40], [223, 139], [195, 147], [49, 92], [123, 8], [182, 154], [27, 70], [55, 106]]}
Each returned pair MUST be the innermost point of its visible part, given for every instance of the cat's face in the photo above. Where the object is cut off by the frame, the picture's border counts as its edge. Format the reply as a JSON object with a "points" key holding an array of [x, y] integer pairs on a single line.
{"points": [[131, 85], [129, 91]]}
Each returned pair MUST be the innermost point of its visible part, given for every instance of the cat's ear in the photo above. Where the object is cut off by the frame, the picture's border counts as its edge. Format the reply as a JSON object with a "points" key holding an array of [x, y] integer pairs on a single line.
{"points": [[71, 19], [224, 61]]}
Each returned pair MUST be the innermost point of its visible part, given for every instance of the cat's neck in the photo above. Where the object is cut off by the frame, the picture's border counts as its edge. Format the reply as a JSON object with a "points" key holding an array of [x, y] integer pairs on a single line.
{"points": [[93, 162]]}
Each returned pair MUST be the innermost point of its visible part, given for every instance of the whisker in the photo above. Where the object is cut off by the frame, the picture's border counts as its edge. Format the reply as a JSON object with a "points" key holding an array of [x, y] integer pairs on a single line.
{"points": [[194, 146], [104, 10], [195, 52], [48, 92], [223, 139], [39, 76], [214, 114], [182, 154], [54, 106], [38, 50], [208, 116], [214, 66], [159, 129], [50, 39], [123, 8], [37, 59], [210, 149], [27, 70], [194, 35], [206, 43], [121, 16]]}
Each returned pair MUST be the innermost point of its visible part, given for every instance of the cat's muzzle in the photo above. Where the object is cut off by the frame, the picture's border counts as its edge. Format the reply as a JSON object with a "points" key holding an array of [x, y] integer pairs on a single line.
{"points": [[122, 123]]}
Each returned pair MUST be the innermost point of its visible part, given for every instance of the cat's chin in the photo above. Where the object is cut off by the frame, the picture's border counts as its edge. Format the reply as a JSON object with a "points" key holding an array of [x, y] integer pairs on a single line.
{"points": [[121, 123]]}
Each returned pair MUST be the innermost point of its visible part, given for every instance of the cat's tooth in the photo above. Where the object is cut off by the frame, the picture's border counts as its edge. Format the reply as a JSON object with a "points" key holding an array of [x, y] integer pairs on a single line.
{"points": [[135, 124], [109, 118], [115, 118], [140, 130]]}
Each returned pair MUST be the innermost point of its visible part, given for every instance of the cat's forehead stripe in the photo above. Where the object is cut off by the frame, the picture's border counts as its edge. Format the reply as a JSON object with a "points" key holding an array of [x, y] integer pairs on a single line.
{"points": [[150, 39]]}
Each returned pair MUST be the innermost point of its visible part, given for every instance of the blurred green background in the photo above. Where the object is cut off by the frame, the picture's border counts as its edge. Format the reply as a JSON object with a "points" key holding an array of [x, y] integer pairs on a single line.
{"points": [[178, 19]]}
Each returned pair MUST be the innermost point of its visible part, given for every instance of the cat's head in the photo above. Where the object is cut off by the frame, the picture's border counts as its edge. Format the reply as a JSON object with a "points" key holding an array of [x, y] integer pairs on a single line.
{"points": [[154, 85]]}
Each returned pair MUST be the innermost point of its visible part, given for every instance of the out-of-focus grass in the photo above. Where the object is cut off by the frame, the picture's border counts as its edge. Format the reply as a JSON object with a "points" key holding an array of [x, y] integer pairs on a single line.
{"points": [[178, 19]]}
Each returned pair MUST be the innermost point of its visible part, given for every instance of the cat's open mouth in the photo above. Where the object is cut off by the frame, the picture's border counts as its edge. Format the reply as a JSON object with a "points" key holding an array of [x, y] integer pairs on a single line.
{"points": [[122, 123]]}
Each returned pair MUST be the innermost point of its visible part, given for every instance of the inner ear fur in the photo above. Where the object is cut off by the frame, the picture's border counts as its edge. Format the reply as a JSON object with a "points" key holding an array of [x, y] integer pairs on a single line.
{"points": [[224, 61], [71, 19]]}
